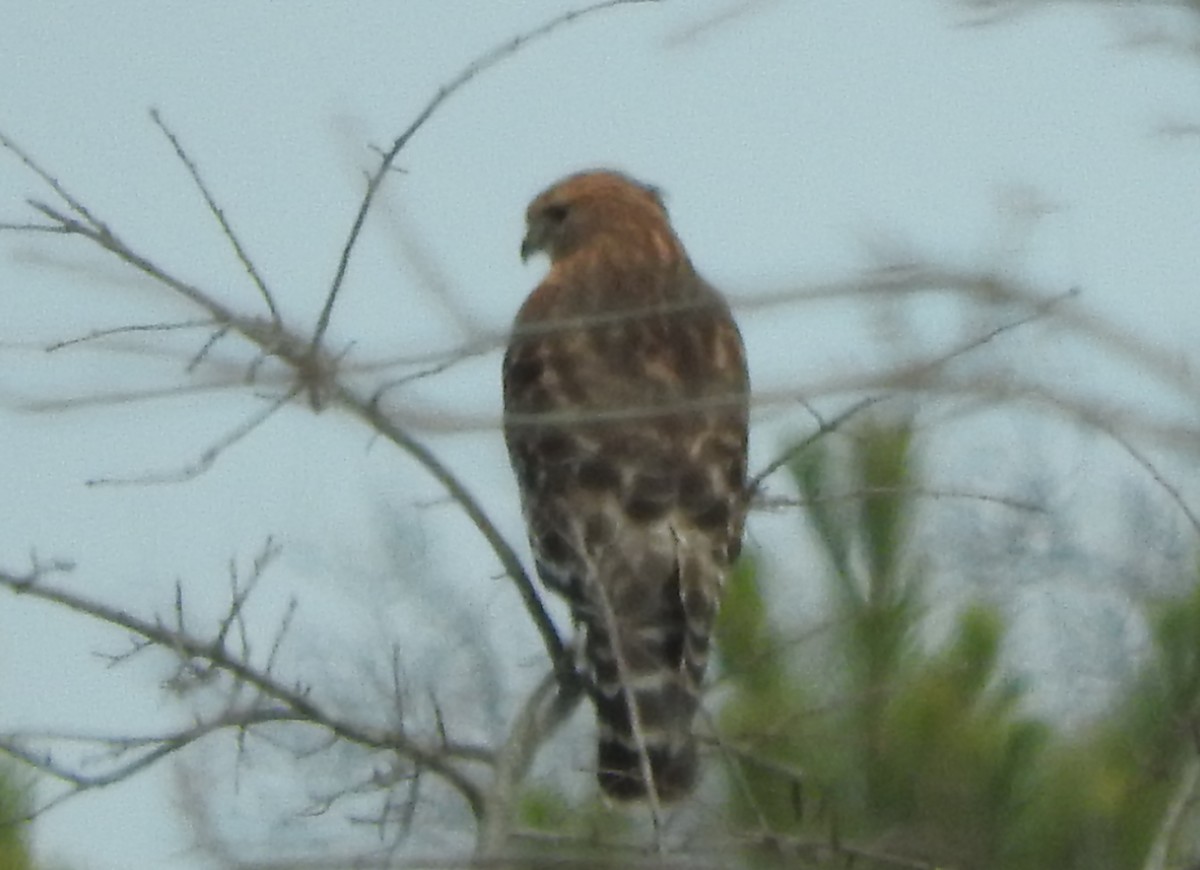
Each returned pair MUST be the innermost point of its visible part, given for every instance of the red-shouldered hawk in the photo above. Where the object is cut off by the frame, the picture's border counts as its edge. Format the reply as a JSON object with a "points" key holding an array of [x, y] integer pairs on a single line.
{"points": [[625, 396]]}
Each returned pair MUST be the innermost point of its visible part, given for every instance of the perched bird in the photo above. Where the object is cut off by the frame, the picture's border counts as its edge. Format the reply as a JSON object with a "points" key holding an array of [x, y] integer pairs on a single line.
{"points": [[626, 406]]}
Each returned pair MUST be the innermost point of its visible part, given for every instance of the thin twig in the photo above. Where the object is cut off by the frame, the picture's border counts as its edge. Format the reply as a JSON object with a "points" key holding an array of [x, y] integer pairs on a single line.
{"points": [[63, 194], [34, 228], [219, 214], [208, 457], [239, 594], [123, 330], [289, 616], [921, 371], [757, 759], [84, 402], [199, 356], [1169, 488], [421, 374], [772, 502], [907, 375], [100, 235], [823, 429]]}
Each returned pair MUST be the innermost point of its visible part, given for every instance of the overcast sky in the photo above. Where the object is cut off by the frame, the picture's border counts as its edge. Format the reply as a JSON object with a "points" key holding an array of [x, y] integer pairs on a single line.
{"points": [[794, 141]]}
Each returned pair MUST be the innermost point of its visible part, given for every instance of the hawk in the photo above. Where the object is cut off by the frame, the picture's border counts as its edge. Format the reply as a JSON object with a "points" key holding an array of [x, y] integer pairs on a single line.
{"points": [[625, 397]]}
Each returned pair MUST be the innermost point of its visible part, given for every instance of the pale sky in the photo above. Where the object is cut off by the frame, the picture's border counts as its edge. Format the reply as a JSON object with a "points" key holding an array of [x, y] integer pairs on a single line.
{"points": [[792, 140]]}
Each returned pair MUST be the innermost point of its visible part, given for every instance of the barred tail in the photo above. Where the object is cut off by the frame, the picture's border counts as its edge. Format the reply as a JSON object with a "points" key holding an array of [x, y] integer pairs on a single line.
{"points": [[670, 755], [663, 665]]}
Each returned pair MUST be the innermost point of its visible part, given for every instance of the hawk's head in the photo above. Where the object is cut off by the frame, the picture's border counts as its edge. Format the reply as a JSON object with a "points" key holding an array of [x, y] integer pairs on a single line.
{"points": [[585, 207]]}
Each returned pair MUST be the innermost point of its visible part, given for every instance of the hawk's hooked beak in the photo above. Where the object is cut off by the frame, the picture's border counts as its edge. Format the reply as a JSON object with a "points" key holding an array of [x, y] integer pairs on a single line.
{"points": [[534, 241]]}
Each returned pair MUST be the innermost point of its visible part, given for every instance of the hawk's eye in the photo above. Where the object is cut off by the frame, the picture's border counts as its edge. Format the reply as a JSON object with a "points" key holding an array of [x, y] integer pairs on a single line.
{"points": [[555, 214]]}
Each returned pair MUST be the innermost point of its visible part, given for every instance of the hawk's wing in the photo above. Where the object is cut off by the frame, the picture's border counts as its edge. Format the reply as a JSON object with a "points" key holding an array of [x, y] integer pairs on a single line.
{"points": [[627, 431]]}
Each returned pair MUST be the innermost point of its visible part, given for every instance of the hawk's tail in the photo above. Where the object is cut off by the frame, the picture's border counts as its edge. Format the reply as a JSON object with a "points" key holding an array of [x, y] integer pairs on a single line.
{"points": [[663, 667]]}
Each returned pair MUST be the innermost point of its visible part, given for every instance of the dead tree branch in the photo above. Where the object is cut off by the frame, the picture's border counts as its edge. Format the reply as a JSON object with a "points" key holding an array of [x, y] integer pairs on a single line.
{"points": [[544, 711], [293, 703], [314, 372]]}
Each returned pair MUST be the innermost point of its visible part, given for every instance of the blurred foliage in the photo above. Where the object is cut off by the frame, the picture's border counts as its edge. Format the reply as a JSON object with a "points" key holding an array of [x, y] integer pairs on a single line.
{"points": [[924, 756], [578, 831], [14, 804]]}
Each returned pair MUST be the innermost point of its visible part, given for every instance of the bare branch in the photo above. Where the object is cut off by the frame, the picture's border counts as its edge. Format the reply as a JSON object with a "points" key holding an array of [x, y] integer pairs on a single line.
{"points": [[209, 456], [314, 372], [218, 333], [219, 214], [471, 71], [30, 405], [824, 428], [296, 701], [915, 374], [286, 623], [1144, 461], [34, 228], [149, 748], [124, 330], [920, 276], [774, 502], [63, 194], [240, 594], [103, 237], [428, 372], [543, 712]]}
